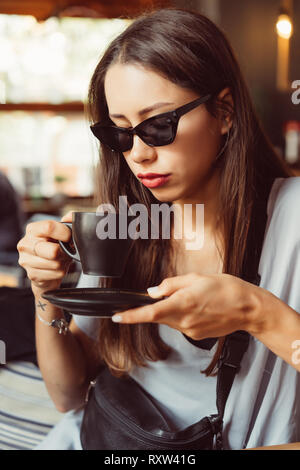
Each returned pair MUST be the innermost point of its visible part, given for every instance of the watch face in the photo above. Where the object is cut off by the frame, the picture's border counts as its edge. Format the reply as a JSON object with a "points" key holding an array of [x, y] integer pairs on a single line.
{"points": [[97, 302]]}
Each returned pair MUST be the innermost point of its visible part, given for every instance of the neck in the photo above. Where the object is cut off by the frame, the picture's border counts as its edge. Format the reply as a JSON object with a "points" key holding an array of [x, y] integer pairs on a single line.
{"points": [[204, 200]]}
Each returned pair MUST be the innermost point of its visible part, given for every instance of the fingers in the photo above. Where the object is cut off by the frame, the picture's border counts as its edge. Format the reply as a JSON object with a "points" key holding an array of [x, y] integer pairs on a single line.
{"points": [[44, 275], [48, 250], [171, 284], [154, 313], [161, 311], [42, 263], [40, 254], [48, 229], [67, 217], [46, 262], [41, 248]]}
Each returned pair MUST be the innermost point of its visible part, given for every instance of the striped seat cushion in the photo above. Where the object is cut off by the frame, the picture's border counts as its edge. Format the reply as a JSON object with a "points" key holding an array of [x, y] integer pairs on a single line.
{"points": [[27, 413]]}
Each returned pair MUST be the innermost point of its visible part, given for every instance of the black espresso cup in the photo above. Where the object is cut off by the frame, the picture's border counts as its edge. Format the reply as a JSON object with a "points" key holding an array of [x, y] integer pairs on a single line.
{"points": [[101, 242]]}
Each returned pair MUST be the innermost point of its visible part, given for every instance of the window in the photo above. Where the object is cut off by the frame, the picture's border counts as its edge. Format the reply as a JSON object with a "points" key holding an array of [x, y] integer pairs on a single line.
{"points": [[45, 68]]}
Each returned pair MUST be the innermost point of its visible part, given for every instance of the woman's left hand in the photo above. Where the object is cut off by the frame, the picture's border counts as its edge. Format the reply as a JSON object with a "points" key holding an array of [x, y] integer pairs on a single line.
{"points": [[200, 306]]}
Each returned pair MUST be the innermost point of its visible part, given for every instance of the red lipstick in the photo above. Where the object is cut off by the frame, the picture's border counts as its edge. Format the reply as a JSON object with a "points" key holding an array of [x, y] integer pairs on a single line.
{"points": [[153, 180]]}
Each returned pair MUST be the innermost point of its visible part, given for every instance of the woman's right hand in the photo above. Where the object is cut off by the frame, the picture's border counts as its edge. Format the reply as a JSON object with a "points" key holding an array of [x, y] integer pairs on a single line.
{"points": [[41, 256]]}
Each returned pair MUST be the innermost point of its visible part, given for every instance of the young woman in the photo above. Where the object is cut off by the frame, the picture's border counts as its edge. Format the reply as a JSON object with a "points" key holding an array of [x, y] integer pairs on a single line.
{"points": [[218, 156]]}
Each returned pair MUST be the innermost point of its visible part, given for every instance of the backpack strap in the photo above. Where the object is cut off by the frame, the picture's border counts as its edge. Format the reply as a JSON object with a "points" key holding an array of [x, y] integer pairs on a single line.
{"points": [[234, 348]]}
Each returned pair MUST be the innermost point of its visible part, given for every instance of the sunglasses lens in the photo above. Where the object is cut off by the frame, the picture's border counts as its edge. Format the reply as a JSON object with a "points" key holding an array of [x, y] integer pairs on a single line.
{"points": [[157, 131], [116, 139], [121, 139]]}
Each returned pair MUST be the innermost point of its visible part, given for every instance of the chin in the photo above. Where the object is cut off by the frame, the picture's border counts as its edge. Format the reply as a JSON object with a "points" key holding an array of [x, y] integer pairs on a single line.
{"points": [[167, 196]]}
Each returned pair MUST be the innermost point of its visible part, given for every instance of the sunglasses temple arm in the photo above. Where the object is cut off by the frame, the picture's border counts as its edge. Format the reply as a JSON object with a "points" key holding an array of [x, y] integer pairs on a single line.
{"points": [[189, 106]]}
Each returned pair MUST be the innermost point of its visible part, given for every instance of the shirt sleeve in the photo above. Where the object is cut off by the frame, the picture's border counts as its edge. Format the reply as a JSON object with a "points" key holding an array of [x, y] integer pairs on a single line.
{"points": [[280, 260], [89, 325]]}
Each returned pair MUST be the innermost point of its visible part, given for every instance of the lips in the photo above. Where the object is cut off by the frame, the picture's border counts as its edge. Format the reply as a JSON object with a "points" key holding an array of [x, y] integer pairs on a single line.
{"points": [[151, 175], [153, 180]]}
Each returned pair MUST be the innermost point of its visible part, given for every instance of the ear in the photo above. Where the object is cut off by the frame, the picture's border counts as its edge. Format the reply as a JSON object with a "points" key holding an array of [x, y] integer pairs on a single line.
{"points": [[226, 109]]}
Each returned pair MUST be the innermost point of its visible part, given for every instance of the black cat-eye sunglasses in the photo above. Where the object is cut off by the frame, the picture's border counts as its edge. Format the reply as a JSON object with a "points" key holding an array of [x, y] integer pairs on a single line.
{"points": [[155, 131]]}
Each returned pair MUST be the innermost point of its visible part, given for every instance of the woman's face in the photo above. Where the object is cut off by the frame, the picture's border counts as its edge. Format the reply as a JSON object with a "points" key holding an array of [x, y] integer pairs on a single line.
{"points": [[129, 90]]}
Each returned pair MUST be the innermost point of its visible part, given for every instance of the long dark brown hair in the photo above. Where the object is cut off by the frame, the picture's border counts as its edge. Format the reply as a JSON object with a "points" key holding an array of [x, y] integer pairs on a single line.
{"points": [[189, 50]]}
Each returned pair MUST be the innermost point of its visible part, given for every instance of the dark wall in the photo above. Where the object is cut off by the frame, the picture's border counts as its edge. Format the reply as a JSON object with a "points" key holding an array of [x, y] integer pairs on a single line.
{"points": [[250, 27]]}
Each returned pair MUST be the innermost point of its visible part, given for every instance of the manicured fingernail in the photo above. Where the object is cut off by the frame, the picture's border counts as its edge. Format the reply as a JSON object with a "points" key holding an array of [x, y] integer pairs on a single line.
{"points": [[153, 290], [116, 318]]}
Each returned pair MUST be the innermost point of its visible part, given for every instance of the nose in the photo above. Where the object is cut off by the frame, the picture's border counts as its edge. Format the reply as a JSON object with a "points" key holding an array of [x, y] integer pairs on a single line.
{"points": [[141, 152]]}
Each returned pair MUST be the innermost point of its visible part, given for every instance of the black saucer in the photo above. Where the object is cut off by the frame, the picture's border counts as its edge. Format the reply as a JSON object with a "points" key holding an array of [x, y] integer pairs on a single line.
{"points": [[97, 302]]}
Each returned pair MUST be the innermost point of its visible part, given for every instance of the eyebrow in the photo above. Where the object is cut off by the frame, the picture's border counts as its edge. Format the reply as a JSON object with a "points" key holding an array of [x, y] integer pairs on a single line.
{"points": [[144, 111]]}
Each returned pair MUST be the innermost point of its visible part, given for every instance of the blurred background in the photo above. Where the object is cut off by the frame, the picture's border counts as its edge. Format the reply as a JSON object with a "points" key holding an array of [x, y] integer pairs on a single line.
{"points": [[48, 51]]}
